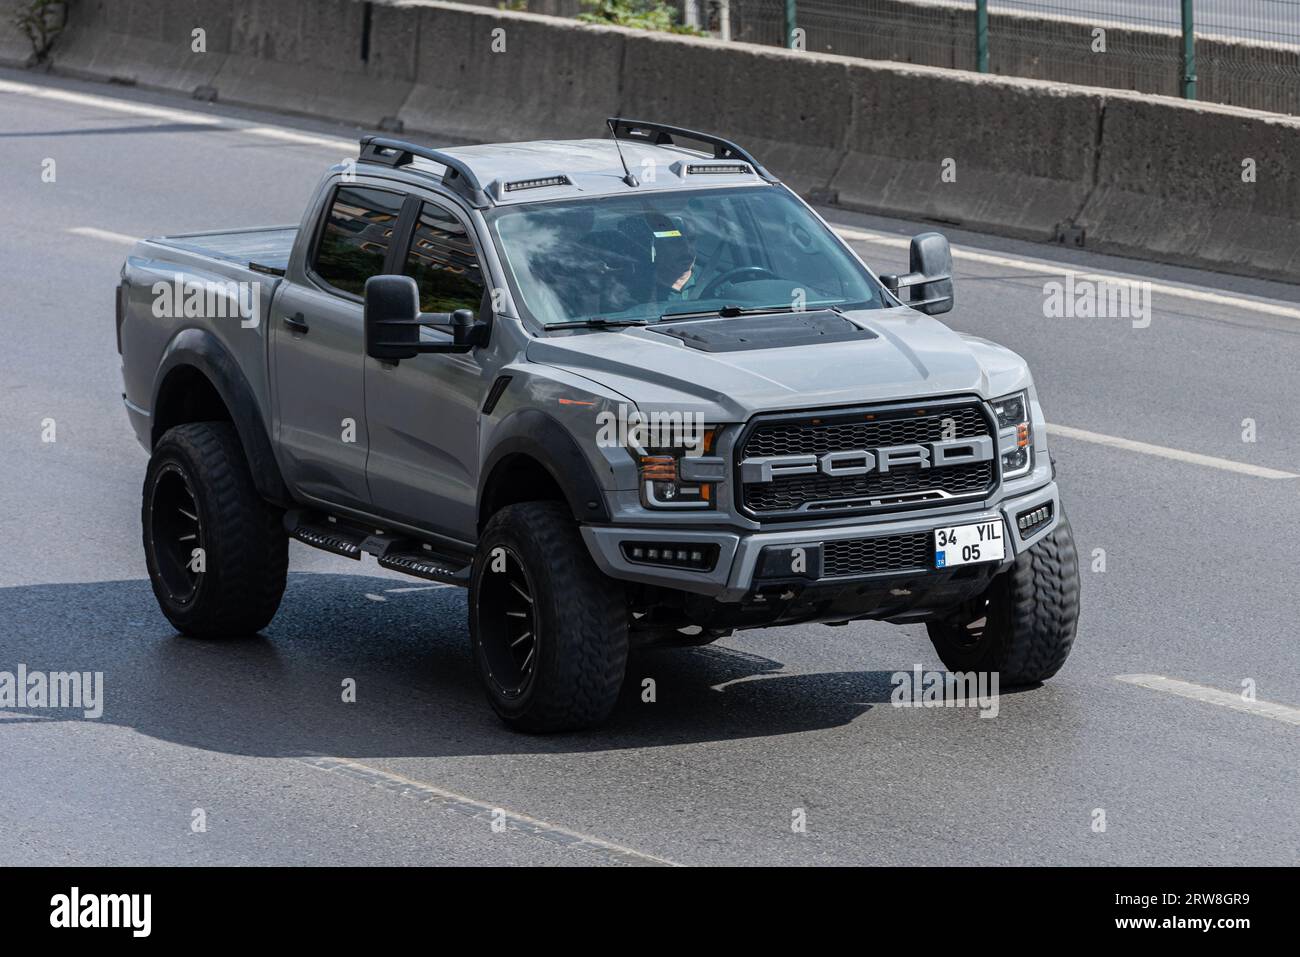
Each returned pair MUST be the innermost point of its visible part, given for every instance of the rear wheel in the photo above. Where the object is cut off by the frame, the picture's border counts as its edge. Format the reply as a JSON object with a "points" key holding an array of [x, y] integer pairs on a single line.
{"points": [[548, 630], [217, 553], [1023, 625]]}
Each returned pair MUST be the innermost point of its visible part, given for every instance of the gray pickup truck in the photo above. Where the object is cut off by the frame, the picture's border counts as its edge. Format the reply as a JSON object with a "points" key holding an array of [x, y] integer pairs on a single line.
{"points": [[626, 391]]}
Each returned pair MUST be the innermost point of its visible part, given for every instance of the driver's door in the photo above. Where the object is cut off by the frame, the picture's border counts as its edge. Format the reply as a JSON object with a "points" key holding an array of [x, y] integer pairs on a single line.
{"points": [[423, 412]]}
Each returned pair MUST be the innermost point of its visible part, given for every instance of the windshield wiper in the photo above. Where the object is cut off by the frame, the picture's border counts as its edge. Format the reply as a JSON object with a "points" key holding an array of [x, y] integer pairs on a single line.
{"points": [[726, 312], [596, 323]]}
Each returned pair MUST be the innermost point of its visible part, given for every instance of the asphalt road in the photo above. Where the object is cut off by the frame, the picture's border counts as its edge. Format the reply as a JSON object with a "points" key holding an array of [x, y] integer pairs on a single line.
{"points": [[1199, 586]]}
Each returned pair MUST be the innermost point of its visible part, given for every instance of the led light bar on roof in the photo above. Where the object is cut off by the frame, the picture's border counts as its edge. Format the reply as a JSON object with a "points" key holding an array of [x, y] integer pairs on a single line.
{"points": [[538, 183], [732, 168]]}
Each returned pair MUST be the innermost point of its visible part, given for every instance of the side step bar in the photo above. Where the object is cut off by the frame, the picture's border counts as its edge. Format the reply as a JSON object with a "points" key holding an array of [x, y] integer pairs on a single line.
{"points": [[423, 564], [328, 539], [392, 550]]}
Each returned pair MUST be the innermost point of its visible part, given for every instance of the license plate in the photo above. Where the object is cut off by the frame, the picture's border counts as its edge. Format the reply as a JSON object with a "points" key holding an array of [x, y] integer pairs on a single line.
{"points": [[968, 544]]}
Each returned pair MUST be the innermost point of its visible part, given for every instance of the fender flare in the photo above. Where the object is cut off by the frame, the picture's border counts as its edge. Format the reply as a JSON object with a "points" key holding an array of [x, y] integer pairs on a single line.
{"points": [[203, 351], [537, 435]]}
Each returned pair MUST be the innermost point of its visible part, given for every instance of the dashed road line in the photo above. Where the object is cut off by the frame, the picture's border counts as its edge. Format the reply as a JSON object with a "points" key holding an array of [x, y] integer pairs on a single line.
{"points": [[1194, 458], [1225, 699], [175, 115], [108, 103], [604, 851], [105, 234], [300, 138]]}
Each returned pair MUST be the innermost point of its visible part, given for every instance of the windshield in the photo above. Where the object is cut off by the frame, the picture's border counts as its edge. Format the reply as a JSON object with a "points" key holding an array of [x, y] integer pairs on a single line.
{"points": [[639, 258]]}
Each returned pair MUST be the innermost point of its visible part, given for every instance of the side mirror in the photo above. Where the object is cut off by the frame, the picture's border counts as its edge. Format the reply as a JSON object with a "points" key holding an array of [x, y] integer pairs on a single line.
{"points": [[930, 278], [393, 320]]}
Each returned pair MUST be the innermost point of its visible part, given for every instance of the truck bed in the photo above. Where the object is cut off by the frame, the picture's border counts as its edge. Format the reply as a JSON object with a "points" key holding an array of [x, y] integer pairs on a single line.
{"points": [[264, 248]]}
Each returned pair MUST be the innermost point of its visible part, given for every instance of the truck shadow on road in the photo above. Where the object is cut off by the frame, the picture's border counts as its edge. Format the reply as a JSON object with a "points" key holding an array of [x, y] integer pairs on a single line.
{"points": [[280, 694]]}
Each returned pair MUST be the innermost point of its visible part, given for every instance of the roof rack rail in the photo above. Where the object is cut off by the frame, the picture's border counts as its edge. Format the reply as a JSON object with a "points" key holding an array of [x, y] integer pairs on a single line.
{"points": [[458, 176], [661, 134]]}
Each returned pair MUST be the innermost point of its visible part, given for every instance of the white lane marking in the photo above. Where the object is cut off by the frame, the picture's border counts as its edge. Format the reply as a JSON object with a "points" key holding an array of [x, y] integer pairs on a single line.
{"points": [[374, 597], [176, 115], [485, 812], [1194, 458], [106, 103], [104, 234], [305, 139], [1029, 265], [1226, 699]]}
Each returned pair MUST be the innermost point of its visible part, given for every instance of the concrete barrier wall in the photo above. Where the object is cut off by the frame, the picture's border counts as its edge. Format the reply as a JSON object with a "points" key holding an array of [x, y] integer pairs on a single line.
{"points": [[511, 76], [317, 57], [1170, 182], [1015, 157], [791, 112], [1140, 175], [148, 42], [15, 49]]}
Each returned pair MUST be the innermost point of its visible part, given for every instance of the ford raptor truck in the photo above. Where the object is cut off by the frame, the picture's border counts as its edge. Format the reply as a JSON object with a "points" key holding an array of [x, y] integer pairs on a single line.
{"points": [[626, 390]]}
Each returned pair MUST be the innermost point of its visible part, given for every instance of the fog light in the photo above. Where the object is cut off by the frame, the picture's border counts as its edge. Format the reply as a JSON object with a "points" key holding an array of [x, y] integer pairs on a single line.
{"points": [[672, 555], [1030, 520]]}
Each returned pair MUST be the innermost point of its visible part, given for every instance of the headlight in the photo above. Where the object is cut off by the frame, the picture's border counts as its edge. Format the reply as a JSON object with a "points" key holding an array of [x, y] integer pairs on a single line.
{"points": [[662, 485], [1015, 434]]}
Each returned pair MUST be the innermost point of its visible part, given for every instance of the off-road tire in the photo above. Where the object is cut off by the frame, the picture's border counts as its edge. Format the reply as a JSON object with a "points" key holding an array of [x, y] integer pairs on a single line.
{"points": [[1030, 613], [246, 550], [579, 618]]}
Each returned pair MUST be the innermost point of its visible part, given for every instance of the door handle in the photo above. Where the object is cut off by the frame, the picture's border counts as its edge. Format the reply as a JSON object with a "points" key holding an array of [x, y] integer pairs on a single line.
{"points": [[297, 322]]}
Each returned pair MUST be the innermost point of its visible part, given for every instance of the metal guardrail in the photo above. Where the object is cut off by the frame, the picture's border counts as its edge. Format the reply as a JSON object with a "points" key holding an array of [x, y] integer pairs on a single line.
{"points": [[1241, 52]]}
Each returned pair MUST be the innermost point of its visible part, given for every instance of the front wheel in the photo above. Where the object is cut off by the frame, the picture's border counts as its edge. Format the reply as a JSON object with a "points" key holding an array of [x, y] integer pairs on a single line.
{"points": [[1023, 625], [548, 630]]}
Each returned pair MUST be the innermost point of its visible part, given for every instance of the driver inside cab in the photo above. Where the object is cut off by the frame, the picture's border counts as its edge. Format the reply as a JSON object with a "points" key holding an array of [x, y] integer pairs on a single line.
{"points": [[673, 255]]}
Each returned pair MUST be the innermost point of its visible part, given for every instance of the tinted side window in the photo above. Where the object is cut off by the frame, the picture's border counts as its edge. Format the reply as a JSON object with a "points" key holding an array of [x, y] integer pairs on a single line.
{"points": [[356, 237], [443, 263]]}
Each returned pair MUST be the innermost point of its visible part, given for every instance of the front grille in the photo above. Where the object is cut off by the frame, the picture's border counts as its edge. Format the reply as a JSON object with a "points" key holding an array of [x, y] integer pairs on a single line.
{"points": [[888, 553], [805, 437], [903, 486]]}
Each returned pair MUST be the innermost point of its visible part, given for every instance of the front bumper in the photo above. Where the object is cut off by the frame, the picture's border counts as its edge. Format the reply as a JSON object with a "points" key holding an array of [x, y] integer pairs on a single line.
{"points": [[739, 571]]}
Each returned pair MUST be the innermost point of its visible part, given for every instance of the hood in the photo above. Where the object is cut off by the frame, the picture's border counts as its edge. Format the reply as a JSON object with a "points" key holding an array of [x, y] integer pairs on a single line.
{"points": [[908, 355]]}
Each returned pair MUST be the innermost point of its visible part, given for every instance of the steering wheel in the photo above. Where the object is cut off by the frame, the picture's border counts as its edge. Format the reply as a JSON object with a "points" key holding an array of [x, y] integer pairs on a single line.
{"points": [[730, 276]]}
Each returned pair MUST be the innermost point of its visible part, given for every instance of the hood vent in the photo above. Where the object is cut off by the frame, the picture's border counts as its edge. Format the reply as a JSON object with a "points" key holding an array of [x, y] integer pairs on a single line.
{"points": [[767, 331]]}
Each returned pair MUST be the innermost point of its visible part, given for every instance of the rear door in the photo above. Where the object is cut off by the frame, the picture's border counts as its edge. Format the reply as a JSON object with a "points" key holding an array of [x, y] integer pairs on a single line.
{"points": [[423, 412], [318, 345]]}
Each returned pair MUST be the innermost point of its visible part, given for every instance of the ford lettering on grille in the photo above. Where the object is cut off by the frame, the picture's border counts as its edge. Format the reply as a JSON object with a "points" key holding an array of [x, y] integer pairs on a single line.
{"points": [[866, 460], [848, 462]]}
